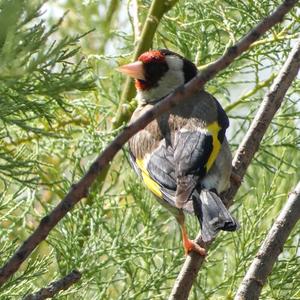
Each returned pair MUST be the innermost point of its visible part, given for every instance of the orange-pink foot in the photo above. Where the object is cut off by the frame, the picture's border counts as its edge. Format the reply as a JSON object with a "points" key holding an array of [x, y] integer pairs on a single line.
{"points": [[190, 245]]}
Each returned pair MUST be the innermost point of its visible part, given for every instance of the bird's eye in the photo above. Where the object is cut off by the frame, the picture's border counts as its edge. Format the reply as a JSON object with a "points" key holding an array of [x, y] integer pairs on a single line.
{"points": [[156, 69]]}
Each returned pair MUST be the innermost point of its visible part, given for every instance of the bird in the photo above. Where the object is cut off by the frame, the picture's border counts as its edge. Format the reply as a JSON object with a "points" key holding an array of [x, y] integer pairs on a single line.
{"points": [[183, 156]]}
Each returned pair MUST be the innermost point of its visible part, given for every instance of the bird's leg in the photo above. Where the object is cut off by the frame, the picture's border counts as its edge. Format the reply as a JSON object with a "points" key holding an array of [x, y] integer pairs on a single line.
{"points": [[189, 245]]}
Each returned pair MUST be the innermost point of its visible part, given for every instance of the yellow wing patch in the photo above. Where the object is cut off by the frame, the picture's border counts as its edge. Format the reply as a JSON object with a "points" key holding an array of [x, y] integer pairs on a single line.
{"points": [[150, 183], [154, 187], [214, 129]]}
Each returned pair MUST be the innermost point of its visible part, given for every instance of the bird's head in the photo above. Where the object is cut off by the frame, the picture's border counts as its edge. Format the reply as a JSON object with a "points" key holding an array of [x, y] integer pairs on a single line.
{"points": [[159, 72]]}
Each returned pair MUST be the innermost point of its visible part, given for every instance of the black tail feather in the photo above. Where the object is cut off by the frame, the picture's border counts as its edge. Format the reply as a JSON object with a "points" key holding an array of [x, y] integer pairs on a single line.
{"points": [[212, 215]]}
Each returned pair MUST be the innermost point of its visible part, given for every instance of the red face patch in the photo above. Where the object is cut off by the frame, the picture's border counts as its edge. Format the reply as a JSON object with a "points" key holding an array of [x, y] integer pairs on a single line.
{"points": [[152, 56], [155, 66], [141, 85]]}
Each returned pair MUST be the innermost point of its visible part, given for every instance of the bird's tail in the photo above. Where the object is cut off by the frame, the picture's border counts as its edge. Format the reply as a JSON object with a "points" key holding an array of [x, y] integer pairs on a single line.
{"points": [[212, 214]]}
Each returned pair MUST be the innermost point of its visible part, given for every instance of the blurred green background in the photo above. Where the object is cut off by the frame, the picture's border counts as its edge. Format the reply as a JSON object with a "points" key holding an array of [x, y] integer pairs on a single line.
{"points": [[59, 94]]}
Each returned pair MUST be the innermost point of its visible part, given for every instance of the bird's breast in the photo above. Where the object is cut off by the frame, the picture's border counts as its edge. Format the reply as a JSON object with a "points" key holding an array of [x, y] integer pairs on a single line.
{"points": [[146, 140]]}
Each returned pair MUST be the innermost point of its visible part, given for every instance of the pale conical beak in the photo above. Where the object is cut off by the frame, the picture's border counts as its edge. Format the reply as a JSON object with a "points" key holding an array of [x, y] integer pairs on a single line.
{"points": [[135, 70]]}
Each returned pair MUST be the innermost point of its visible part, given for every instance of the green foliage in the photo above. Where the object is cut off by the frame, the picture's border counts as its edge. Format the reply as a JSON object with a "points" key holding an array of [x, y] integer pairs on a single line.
{"points": [[35, 72], [53, 122]]}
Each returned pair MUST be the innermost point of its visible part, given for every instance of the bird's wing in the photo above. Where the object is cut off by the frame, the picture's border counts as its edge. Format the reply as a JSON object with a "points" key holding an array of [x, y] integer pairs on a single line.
{"points": [[195, 150], [157, 170], [171, 172]]}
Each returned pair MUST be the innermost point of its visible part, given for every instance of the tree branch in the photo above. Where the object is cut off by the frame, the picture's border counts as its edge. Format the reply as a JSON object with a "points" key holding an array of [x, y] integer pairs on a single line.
{"points": [[111, 10], [135, 20], [270, 105], [256, 276], [55, 287], [242, 159], [80, 189]]}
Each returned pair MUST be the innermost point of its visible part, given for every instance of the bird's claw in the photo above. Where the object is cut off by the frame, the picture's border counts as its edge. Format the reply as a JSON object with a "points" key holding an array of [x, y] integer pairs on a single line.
{"points": [[190, 245]]}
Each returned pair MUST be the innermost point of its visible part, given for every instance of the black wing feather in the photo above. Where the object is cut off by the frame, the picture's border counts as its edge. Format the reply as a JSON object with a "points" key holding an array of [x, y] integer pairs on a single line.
{"points": [[161, 167], [192, 152], [178, 168]]}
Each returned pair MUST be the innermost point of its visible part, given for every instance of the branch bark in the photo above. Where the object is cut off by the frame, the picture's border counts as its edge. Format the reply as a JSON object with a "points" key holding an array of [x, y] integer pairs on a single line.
{"points": [[80, 189], [55, 287], [257, 274], [244, 155]]}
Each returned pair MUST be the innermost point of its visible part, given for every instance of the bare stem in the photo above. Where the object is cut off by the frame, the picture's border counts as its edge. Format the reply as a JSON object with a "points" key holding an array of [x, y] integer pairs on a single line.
{"points": [[136, 23], [80, 189], [257, 274], [111, 11], [55, 287]]}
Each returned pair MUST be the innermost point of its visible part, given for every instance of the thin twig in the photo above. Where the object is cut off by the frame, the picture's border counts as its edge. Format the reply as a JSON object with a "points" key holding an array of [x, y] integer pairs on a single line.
{"points": [[257, 274], [136, 23], [80, 189], [111, 11], [242, 159], [246, 97], [55, 287]]}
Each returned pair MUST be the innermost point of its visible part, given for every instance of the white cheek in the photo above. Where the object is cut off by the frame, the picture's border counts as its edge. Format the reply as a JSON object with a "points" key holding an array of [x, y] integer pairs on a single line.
{"points": [[173, 78], [175, 63]]}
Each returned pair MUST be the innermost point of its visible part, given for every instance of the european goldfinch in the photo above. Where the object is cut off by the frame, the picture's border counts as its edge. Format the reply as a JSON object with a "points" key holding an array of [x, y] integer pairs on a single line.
{"points": [[183, 156]]}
